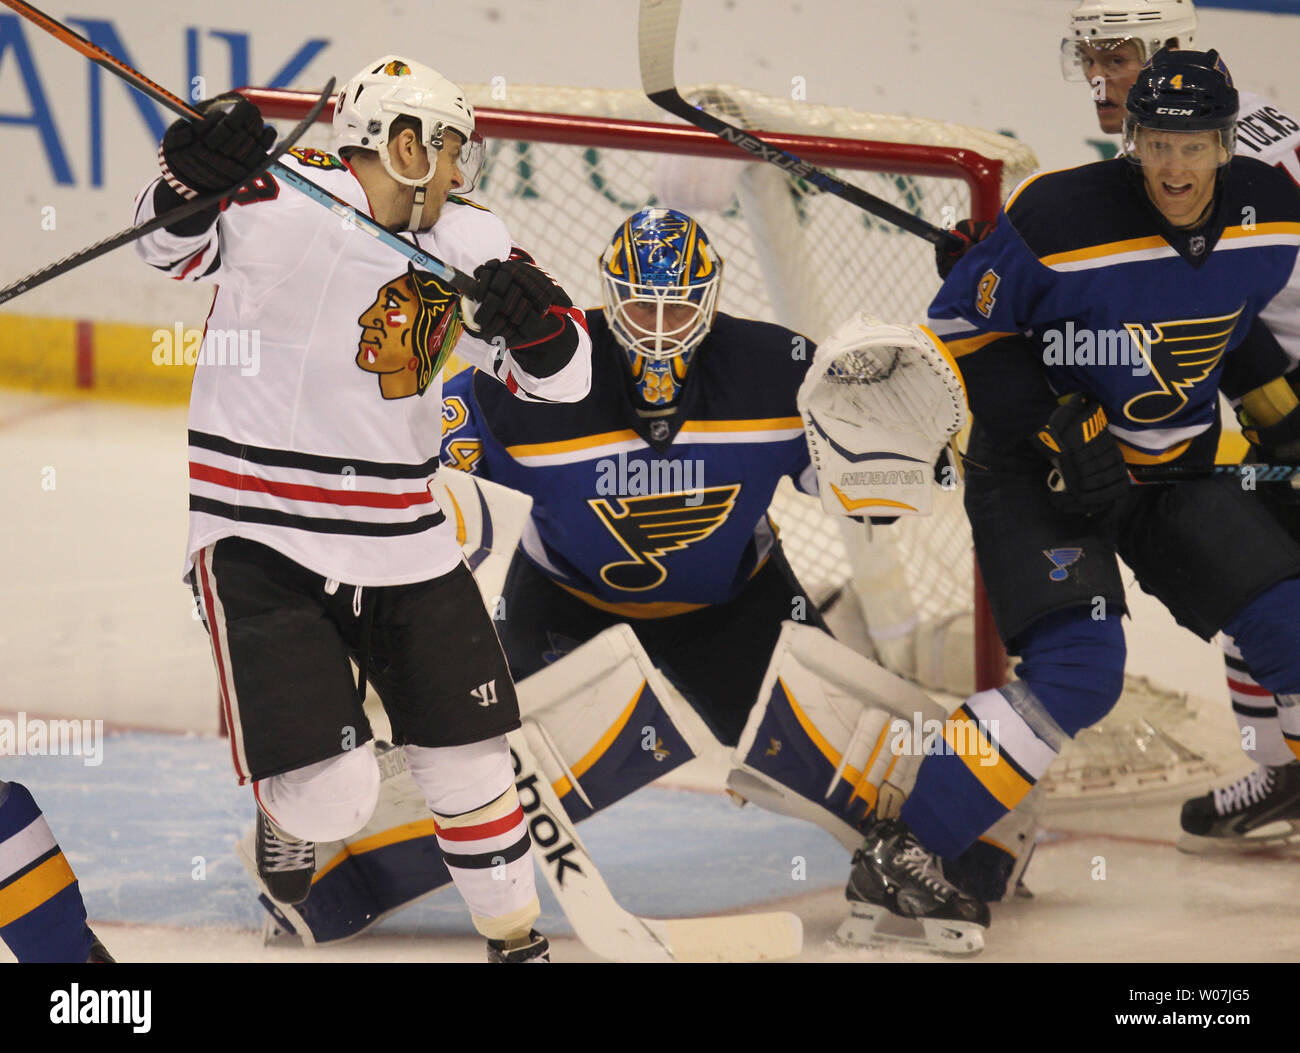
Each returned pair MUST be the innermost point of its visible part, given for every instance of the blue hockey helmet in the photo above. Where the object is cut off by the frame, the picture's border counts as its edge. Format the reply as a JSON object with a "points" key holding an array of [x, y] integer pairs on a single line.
{"points": [[1183, 91], [660, 278]]}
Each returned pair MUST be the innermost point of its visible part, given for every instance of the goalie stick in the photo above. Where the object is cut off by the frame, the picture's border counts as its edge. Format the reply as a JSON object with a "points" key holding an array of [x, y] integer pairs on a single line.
{"points": [[606, 927], [656, 41], [457, 279], [129, 235]]}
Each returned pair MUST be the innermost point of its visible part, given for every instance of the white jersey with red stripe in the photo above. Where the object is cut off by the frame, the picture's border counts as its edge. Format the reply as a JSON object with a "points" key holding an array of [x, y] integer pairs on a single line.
{"points": [[316, 411], [1273, 136]]}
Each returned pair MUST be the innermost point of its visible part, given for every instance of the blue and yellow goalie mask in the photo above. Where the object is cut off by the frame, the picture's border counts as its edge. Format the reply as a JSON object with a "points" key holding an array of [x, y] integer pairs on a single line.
{"points": [[660, 278]]}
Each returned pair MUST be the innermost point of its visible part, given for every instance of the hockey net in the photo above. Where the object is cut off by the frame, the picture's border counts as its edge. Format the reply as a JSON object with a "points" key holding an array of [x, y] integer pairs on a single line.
{"points": [[565, 166]]}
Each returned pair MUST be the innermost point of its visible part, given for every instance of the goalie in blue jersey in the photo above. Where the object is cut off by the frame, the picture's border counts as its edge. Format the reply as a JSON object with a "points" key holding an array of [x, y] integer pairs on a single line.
{"points": [[650, 496]]}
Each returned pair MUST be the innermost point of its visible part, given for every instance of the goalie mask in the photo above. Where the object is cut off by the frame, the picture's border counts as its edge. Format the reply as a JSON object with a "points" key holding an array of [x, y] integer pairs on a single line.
{"points": [[393, 87], [660, 278]]}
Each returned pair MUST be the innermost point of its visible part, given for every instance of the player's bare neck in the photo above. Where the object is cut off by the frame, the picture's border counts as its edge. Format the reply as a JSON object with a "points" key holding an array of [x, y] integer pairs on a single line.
{"points": [[390, 202]]}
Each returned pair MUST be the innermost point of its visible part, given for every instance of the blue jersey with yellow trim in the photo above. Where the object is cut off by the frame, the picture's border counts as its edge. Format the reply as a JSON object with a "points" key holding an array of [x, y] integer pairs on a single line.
{"points": [[647, 516], [1084, 287]]}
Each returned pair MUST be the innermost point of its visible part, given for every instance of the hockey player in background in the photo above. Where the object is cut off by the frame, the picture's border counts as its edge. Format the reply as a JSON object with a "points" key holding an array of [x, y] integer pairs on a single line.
{"points": [[42, 914], [1170, 254], [313, 535], [1107, 45]]}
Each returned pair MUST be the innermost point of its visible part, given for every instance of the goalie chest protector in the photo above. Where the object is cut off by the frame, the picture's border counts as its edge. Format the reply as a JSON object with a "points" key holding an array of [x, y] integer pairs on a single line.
{"points": [[648, 517]]}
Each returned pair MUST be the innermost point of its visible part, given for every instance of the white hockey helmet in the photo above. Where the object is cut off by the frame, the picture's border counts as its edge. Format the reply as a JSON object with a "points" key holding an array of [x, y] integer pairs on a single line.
{"points": [[393, 87], [1150, 24]]}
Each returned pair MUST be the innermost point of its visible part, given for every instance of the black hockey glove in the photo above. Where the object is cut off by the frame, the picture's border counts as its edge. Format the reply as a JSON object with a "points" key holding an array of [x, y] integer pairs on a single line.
{"points": [[960, 240], [208, 156], [1090, 471], [214, 153], [1277, 444], [514, 298]]}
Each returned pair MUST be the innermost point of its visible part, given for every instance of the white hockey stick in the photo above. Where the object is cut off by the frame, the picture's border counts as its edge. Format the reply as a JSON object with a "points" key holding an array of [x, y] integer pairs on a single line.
{"points": [[607, 928]]}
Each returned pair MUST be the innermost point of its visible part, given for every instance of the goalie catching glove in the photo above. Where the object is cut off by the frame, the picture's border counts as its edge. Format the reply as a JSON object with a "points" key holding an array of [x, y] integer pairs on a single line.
{"points": [[522, 307], [1089, 470], [879, 404]]}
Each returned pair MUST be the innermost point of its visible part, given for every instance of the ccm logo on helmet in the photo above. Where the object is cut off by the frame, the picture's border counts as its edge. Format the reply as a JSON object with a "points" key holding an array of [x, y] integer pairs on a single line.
{"points": [[1174, 111]]}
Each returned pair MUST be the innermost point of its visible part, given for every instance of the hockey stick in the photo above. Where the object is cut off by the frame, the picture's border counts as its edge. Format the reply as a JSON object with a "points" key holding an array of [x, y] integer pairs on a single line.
{"points": [[129, 235], [609, 929], [657, 39], [457, 279], [1252, 473]]}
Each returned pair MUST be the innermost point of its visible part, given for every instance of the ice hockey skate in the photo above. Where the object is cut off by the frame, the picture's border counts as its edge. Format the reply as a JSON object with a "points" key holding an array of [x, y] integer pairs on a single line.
{"points": [[285, 864], [1260, 810], [536, 948], [897, 893]]}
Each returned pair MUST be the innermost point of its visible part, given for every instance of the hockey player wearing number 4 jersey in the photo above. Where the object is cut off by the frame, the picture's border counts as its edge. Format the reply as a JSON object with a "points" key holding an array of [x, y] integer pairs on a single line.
{"points": [[313, 534], [1107, 44], [1151, 249]]}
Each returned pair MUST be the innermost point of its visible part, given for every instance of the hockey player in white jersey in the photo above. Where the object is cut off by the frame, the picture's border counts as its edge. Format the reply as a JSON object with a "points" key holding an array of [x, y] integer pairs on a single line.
{"points": [[314, 537], [1107, 44]]}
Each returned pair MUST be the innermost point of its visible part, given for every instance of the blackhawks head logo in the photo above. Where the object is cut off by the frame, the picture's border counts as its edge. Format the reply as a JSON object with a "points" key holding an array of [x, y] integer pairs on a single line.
{"points": [[408, 332]]}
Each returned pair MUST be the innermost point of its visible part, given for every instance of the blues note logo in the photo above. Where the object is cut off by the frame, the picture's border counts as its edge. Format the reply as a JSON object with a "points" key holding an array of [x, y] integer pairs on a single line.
{"points": [[650, 527], [1062, 558]]}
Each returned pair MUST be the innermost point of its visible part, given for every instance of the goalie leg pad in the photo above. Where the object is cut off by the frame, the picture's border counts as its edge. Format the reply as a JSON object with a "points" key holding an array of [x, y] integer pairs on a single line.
{"points": [[602, 722], [326, 801], [392, 861], [831, 737]]}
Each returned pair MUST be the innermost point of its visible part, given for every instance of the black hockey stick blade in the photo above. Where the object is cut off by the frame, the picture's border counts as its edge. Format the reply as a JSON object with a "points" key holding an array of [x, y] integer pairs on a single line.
{"points": [[131, 234], [657, 40]]}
